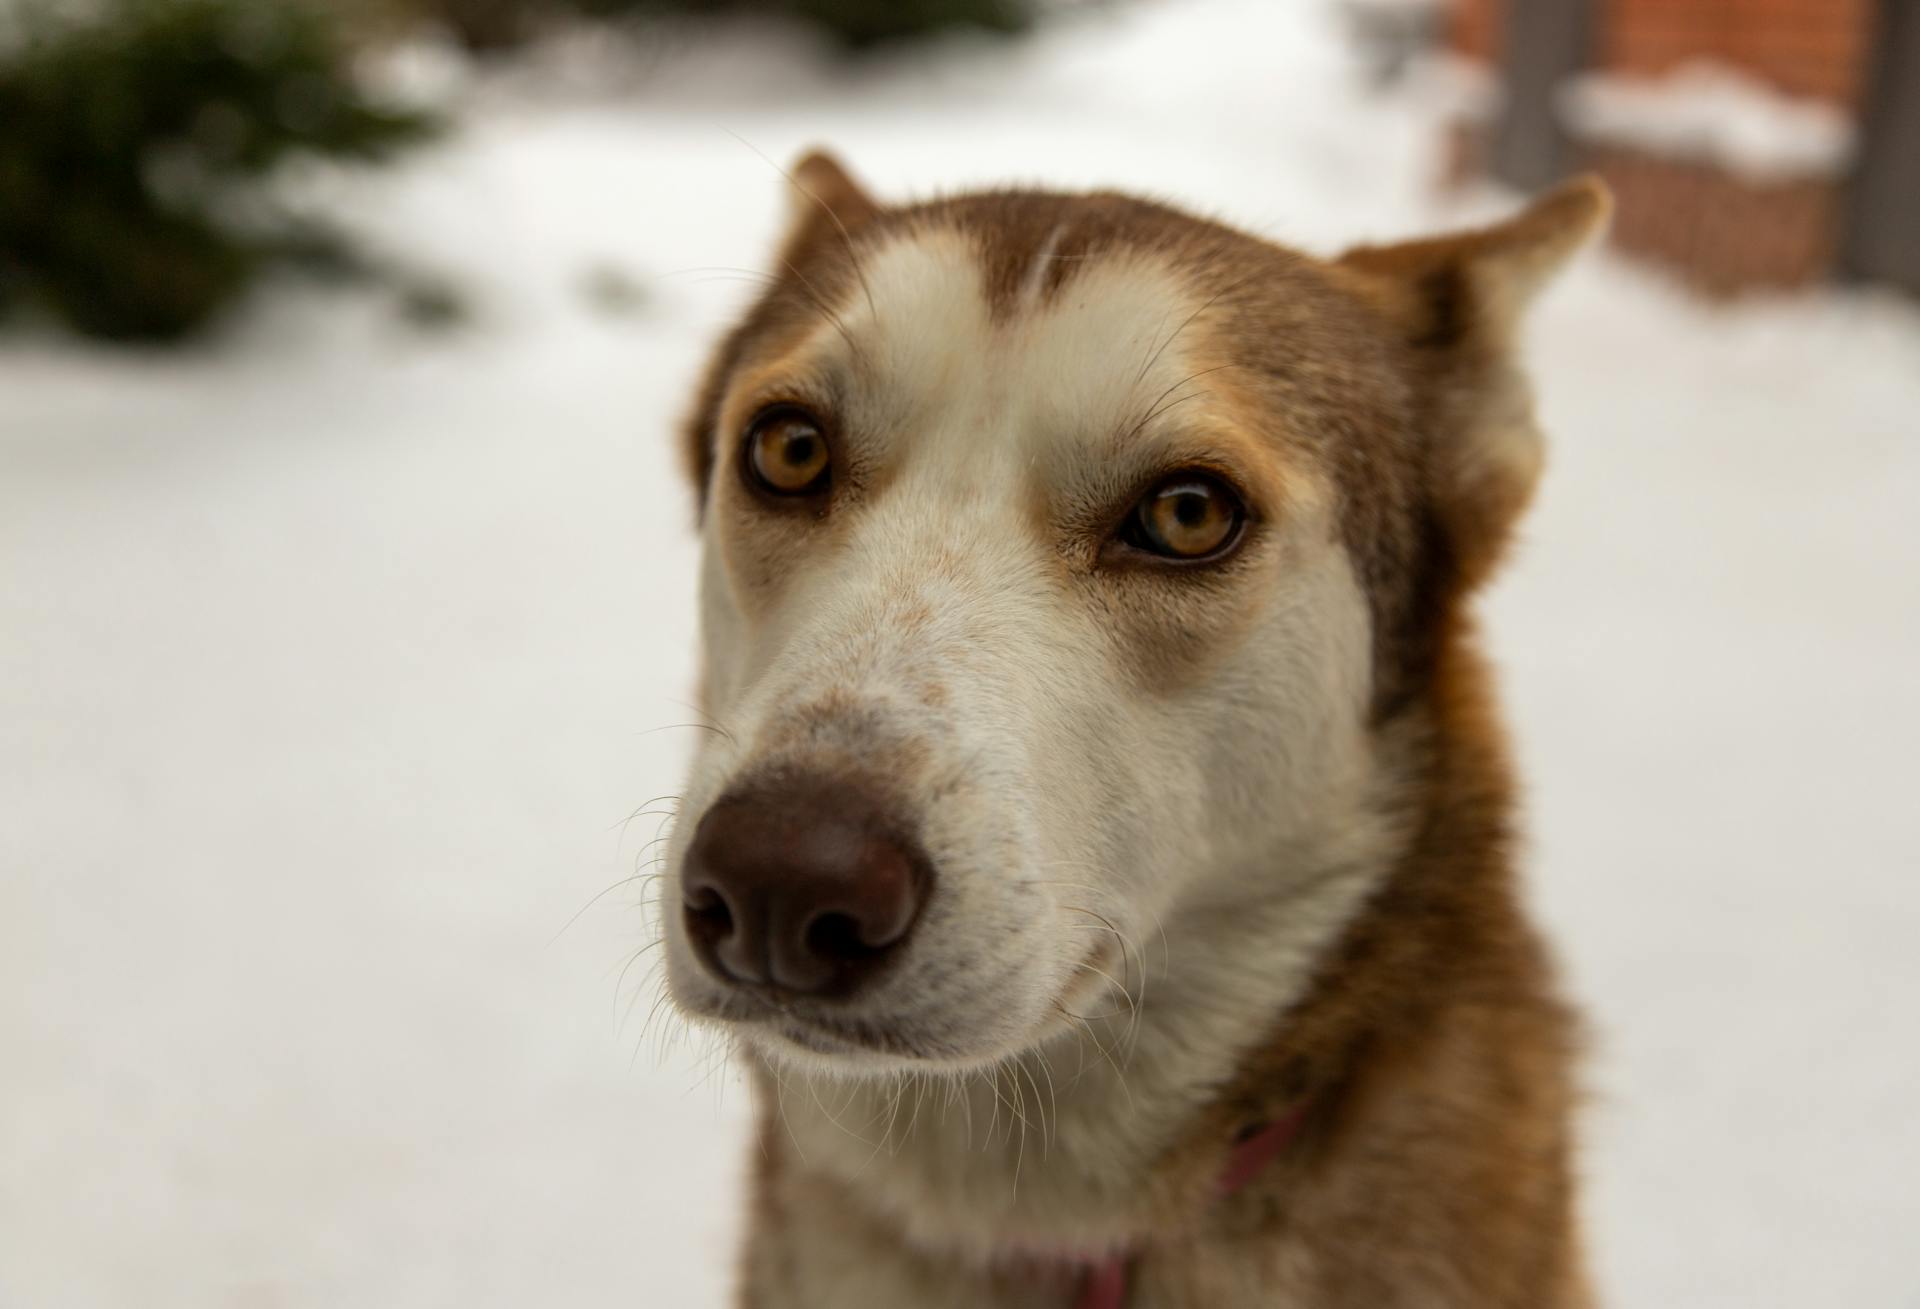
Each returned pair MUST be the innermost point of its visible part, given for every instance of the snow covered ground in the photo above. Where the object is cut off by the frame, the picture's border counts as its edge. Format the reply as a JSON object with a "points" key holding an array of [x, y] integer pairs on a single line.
{"points": [[331, 659]]}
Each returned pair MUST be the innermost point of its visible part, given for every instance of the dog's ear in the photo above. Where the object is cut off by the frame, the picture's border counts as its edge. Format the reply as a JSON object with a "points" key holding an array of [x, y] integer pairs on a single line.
{"points": [[1457, 301], [824, 203]]}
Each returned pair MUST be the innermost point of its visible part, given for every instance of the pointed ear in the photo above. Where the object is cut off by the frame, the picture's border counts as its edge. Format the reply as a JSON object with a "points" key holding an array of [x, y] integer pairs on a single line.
{"points": [[1458, 302], [824, 202]]}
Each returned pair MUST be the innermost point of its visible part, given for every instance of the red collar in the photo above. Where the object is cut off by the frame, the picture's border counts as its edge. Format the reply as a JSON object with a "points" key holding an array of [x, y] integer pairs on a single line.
{"points": [[1105, 1286]]}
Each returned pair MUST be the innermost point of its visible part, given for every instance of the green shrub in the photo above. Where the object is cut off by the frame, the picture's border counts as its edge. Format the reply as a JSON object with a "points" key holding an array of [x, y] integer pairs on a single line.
{"points": [[500, 24], [860, 23], [132, 147]]}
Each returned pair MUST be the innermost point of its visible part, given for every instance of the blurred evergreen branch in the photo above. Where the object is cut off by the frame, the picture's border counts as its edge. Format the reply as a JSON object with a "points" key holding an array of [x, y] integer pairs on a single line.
{"points": [[855, 24], [133, 145], [862, 23]]}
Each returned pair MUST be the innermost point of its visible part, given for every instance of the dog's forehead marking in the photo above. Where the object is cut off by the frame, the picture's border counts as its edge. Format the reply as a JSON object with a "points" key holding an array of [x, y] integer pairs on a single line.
{"points": [[1034, 284], [1075, 360]]}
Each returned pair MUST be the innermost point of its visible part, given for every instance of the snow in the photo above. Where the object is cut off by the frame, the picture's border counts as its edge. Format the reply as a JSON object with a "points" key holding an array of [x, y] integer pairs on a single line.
{"points": [[332, 658], [1716, 114], [1453, 86]]}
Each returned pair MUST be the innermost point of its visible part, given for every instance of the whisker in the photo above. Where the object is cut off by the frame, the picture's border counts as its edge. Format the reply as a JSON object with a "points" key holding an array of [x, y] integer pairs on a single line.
{"points": [[846, 237], [646, 808], [675, 727], [625, 881], [621, 981], [1161, 404], [718, 726], [1189, 321], [1020, 1157], [780, 1102], [919, 1098], [813, 1091], [715, 268], [826, 310]]}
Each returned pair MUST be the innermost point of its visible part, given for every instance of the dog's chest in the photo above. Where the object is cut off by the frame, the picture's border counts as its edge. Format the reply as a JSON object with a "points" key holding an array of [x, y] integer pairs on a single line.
{"points": [[1070, 1237], [814, 1248]]}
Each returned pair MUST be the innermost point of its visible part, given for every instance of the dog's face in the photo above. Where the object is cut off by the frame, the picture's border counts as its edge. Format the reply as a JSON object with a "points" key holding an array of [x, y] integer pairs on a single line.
{"points": [[1063, 557]]}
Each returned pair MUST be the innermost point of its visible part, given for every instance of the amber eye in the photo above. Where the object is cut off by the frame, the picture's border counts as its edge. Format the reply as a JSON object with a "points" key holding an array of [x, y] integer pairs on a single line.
{"points": [[787, 452], [1187, 516]]}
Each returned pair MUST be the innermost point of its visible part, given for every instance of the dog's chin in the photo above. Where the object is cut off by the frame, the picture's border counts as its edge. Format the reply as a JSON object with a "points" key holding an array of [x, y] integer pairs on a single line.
{"points": [[869, 1042], [831, 1051], [829, 1044], [827, 1047], [874, 1040], [843, 1047]]}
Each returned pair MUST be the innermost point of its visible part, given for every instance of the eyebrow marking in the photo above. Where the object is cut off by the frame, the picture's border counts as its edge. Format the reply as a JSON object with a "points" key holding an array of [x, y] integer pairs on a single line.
{"points": [[1036, 276], [1168, 399]]}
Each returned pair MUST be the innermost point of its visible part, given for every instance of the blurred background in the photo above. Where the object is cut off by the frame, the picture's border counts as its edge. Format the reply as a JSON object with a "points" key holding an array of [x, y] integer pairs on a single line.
{"points": [[346, 589]]}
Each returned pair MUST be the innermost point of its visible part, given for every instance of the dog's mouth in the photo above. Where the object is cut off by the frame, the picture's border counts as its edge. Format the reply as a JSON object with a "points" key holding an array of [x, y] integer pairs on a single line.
{"points": [[822, 1033], [790, 1026], [840, 1040]]}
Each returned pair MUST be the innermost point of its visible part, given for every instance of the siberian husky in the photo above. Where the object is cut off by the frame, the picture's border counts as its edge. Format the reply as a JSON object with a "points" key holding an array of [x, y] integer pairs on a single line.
{"points": [[1105, 861]]}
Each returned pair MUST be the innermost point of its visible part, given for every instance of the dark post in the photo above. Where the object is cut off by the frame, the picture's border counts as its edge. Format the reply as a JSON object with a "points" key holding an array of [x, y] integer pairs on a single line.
{"points": [[1547, 41], [1882, 238]]}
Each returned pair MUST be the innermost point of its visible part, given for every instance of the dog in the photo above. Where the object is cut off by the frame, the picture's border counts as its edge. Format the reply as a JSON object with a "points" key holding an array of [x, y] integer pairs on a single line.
{"points": [[1103, 860]]}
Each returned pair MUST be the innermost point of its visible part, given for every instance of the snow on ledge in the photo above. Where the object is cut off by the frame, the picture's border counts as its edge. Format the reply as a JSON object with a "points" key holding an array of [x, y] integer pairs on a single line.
{"points": [[1454, 86], [1710, 112]]}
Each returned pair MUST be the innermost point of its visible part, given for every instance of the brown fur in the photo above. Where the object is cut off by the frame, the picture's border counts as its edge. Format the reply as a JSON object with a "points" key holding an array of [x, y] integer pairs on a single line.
{"points": [[1436, 1166], [1436, 1056]]}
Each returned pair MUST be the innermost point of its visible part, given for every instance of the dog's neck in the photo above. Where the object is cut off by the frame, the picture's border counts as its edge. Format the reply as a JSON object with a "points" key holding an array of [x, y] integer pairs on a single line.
{"points": [[1079, 1147]]}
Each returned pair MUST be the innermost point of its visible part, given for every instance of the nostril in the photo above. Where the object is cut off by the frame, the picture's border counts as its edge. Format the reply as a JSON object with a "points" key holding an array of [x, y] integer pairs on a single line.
{"points": [[708, 913], [727, 929], [839, 938]]}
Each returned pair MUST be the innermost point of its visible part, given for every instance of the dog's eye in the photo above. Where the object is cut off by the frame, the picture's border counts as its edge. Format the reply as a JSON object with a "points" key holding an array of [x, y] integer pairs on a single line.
{"points": [[1187, 516], [787, 452]]}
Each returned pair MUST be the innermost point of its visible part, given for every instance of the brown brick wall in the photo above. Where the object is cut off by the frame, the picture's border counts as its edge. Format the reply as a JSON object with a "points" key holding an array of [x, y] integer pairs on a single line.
{"points": [[1475, 31], [1717, 232], [1709, 229], [1803, 47]]}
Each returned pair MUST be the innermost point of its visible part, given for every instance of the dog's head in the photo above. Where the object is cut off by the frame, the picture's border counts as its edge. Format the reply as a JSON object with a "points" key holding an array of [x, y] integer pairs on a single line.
{"points": [[1064, 558]]}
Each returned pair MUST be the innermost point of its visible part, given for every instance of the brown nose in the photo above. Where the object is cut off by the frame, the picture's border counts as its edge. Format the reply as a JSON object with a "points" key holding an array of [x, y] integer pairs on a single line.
{"points": [[802, 885]]}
